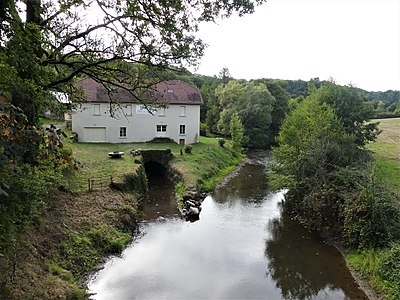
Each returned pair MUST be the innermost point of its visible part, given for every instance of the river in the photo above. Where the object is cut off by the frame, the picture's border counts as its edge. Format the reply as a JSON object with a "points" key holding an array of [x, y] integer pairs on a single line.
{"points": [[243, 247]]}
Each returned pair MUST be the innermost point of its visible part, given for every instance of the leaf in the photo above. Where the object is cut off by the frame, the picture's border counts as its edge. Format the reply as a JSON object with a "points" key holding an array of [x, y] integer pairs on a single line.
{"points": [[3, 193], [6, 132]]}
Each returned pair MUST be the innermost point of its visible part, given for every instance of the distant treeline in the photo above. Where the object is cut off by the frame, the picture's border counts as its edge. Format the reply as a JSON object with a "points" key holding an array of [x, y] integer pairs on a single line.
{"points": [[386, 104], [263, 103]]}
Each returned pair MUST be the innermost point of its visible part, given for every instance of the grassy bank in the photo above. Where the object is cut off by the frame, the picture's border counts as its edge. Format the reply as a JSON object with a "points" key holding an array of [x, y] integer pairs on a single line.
{"points": [[203, 168], [79, 228], [381, 267], [387, 153]]}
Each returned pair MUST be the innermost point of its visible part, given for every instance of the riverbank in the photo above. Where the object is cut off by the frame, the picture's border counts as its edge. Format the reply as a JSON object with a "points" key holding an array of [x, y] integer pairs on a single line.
{"points": [[380, 268], [79, 228]]}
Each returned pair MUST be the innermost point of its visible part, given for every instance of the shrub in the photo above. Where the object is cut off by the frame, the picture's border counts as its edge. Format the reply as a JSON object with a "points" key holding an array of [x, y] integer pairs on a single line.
{"points": [[390, 271], [187, 149], [203, 129], [221, 142], [161, 140], [371, 218]]}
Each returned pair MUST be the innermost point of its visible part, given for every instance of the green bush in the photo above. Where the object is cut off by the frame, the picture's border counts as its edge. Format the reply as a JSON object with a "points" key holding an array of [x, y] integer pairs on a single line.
{"points": [[24, 203], [390, 271], [372, 217], [187, 149], [221, 142], [381, 267]]}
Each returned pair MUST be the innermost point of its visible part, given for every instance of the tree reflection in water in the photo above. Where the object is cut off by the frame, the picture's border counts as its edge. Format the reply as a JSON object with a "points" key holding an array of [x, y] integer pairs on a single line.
{"points": [[303, 267]]}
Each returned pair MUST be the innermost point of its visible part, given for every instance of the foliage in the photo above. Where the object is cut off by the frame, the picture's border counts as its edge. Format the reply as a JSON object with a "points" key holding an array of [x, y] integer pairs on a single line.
{"points": [[351, 110], [221, 142], [390, 271], [203, 129], [23, 204], [32, 159], [224, 75], [50, 43], [237, 133], [188, 149], [321, 159], [381, 267], [370, 214], [253, 103]]}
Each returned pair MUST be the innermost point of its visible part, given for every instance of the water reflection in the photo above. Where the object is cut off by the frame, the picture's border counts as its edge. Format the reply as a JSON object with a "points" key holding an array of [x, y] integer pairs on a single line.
{"points": [[160, 200], [304, 267]]}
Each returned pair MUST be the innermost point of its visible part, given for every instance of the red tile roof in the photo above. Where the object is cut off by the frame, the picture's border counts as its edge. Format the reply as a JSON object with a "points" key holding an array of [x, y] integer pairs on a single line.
{"points": [[168, 91]]}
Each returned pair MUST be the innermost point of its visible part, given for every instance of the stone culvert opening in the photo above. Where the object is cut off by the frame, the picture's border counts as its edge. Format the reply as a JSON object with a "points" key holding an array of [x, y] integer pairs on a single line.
{"points": [[155, 170]]}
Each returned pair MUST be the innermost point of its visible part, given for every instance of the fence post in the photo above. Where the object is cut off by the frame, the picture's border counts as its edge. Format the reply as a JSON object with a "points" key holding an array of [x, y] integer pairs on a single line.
{"points": [[89, 185]]}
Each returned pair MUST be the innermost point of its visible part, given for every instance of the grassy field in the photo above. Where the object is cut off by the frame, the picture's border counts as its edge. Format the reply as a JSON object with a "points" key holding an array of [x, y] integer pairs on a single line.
{"points": [[387, 152], [203, 167]]}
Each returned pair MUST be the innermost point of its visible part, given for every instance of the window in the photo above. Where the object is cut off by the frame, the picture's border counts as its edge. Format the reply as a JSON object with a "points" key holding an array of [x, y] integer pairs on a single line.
{"points": [[122, 132], [161, 112], [96, 109], [170, 91], [182, 111], [182, 129], [128, 110], [161, 128]]}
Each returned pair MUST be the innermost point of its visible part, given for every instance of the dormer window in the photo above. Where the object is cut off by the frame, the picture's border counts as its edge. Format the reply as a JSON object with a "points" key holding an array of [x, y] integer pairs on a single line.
{"points": [[170, 91]]}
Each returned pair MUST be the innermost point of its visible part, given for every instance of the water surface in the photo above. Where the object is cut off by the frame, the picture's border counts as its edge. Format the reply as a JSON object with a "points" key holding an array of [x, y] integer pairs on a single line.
{"points": [[243, 247]]}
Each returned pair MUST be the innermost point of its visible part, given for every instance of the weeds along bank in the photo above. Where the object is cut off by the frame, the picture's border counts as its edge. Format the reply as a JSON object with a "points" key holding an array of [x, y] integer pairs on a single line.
{"points": [[381, 267], [78, 228]]}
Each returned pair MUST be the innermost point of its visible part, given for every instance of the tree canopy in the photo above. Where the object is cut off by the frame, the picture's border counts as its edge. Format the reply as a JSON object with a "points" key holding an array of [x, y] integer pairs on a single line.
{"points": [[45, 45], [321, 158]]}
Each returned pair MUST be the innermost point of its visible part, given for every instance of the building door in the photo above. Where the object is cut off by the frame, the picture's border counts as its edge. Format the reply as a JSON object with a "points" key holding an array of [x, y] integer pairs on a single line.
{"points": [[94, 134], [181, 141]]}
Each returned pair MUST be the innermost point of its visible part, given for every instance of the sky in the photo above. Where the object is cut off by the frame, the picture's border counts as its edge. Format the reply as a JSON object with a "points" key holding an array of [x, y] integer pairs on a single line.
{"points": [[353, 42]]}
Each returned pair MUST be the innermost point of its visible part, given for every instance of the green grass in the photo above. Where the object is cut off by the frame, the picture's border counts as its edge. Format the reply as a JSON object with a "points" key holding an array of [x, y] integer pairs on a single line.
{"points": [[204, 167], [381, 267], [389, 171], [387, 153], [208, 164]]}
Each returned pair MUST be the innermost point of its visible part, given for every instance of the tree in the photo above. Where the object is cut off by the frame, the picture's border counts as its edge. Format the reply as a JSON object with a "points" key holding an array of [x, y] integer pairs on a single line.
{"points": [[253, 103], [352, 111], [237, 133], [224, 75], [322, 160], [280, 106], [45, 45]]}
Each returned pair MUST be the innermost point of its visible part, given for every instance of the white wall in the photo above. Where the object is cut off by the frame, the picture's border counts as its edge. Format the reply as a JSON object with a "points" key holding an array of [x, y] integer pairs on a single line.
{"points": [[140, 125]]}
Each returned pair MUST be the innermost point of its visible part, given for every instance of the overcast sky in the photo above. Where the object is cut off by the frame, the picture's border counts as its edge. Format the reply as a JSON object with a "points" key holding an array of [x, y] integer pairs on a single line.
{"points": [[351, 41]]}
